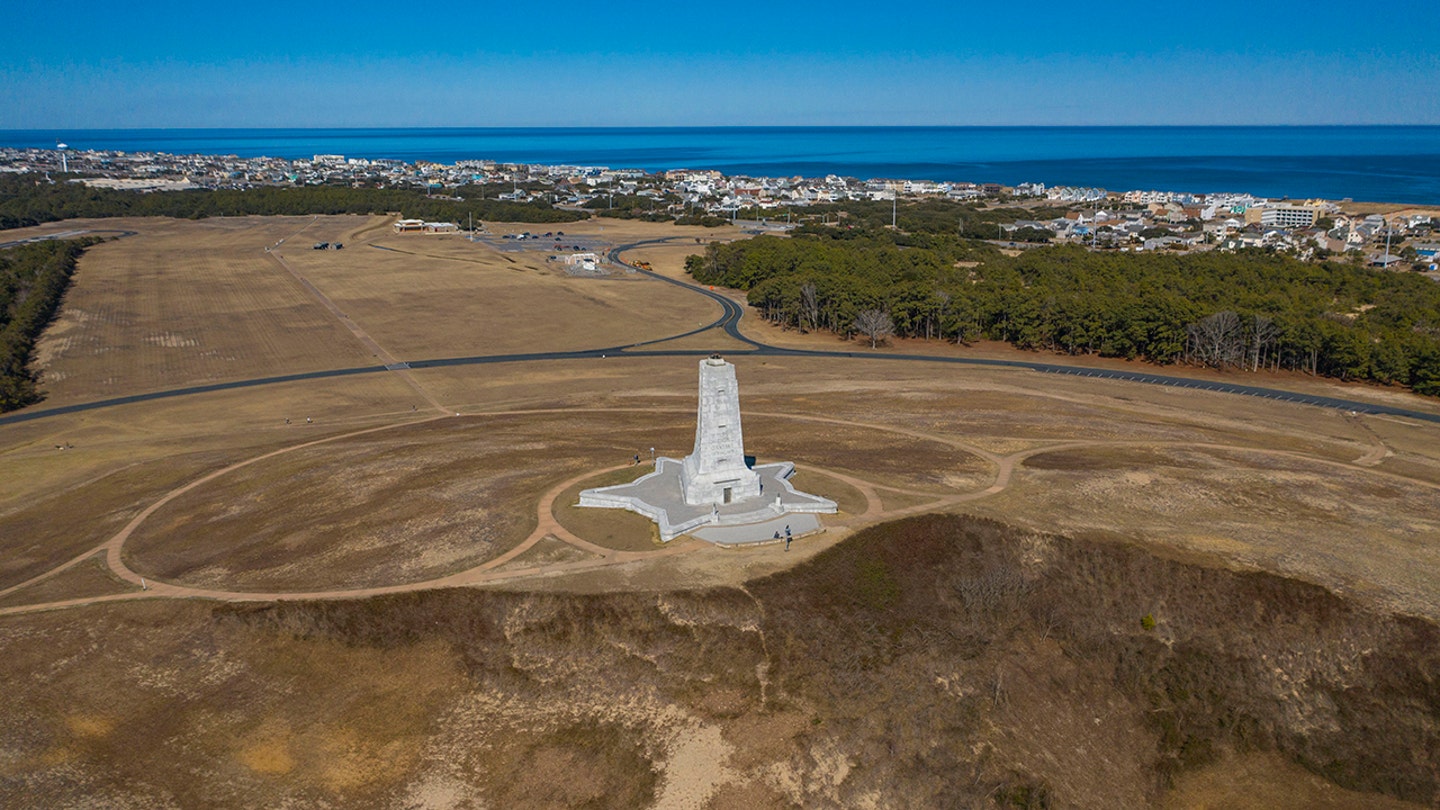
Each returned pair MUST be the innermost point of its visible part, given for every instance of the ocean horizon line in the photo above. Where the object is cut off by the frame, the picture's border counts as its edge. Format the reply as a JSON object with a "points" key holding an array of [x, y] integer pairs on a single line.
{"points": [[1382, 162], [683, 127]]}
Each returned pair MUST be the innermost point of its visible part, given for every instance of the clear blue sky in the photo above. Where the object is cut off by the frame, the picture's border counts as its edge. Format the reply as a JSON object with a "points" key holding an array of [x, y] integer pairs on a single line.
{"points": [[261, 63]]}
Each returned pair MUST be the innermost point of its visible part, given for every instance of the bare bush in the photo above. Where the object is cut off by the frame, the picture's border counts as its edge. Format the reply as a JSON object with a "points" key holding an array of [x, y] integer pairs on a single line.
{"points": [[875, 324], [1217, 340], [809, 307], [1226, 339]]}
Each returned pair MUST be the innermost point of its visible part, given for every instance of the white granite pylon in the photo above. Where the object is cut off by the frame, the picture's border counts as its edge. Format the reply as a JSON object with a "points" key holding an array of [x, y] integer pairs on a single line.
{"points": [[714, 487], [716, 472]]}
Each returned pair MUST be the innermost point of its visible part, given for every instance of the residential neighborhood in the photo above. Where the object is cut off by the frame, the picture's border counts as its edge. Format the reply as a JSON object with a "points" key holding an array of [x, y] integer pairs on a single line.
{"points": [[1100, 219]]}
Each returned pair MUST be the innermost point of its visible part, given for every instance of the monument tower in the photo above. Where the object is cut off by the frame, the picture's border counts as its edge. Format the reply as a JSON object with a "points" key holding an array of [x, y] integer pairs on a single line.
{"points": [[716, 472], [714, 493]]}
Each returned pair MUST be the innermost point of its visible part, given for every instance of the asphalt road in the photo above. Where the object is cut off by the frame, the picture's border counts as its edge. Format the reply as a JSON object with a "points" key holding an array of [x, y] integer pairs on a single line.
{"points": [[729, 323]]}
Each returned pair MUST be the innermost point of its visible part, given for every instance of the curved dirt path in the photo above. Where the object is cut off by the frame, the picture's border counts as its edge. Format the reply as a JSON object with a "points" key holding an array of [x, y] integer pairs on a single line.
{"points": [[487, 572], [1378, 451], [547, 526], [112, 547]]}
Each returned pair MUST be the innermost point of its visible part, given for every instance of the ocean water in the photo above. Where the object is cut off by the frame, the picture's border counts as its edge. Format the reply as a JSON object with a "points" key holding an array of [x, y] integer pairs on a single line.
{"points": [[1391, 164]]}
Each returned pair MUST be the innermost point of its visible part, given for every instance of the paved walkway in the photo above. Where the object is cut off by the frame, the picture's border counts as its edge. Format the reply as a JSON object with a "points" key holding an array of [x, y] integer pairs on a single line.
{"points": [[660, 497], [771, 531]]}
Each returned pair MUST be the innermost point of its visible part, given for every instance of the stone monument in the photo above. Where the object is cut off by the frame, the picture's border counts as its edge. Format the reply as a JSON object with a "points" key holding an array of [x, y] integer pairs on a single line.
{"points": [[716, 472], [714, 493]]}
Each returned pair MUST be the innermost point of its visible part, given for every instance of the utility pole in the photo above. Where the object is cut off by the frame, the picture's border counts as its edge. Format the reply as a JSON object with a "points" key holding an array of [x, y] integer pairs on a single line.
{"points": [[894, 208]]}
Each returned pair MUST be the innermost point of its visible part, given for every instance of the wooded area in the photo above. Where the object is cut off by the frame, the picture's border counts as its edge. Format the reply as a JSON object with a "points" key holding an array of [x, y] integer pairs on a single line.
{"points": [[24, 202], [33, 280], [925, 217], [1245, 310]]}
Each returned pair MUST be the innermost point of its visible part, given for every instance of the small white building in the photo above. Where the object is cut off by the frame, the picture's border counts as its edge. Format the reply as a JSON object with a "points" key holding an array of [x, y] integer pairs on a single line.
{"points": [[583, 261], [421, 226]]}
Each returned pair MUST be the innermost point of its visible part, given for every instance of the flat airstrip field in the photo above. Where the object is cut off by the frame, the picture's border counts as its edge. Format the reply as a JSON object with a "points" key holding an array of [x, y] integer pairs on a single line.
{"points": [[311, 472]]}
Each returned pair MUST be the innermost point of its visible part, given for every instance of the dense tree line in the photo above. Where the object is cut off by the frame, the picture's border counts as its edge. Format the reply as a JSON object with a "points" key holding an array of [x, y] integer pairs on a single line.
{"points": [[633, 206], [1246, 310], [24, 202], [650, 209], [33, 280], [930, 216], [627, 206], [703, 220]]}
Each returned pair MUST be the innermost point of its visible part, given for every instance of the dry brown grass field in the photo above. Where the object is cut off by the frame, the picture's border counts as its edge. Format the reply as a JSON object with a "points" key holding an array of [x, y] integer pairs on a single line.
{"points": [[184, 303], [500, 303], [470, 638]]}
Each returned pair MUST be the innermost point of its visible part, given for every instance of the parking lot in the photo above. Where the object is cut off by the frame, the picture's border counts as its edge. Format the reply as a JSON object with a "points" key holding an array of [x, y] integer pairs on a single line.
{"points": [[548, 242]]}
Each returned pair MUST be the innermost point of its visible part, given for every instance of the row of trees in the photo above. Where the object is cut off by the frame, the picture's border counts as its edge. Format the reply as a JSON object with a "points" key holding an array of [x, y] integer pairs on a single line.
{"points": [[33, 280], [932, 215], [1247, 310], [632, 206], [651, 209], [852, 218], [25, 202]]}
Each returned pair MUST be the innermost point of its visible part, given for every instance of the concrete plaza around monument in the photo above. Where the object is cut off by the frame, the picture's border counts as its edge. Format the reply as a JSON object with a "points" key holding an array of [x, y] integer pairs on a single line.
{"points": [[715, 485], [660, 497]]}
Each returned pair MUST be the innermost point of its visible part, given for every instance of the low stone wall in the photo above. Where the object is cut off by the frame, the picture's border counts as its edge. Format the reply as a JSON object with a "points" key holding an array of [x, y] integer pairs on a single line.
{"points": [[602, 499], [675, 519]]}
